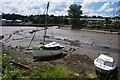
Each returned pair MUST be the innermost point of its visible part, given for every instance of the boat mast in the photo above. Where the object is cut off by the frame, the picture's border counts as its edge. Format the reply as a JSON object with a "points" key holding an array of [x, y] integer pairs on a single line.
{"points": [[45, 31]]}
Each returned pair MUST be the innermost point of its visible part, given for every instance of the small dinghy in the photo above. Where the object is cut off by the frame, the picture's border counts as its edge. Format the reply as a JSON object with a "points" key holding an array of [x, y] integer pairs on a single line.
{"points": [[104, 63]]}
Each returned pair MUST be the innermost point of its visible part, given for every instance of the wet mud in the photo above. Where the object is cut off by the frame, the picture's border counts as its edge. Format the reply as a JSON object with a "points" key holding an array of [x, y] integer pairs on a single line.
{"points": [[76, 58]]}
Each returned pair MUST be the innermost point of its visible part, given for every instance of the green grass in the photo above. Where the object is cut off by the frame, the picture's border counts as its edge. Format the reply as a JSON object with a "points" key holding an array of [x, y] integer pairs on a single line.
{"points": [[105, 53], [59, 71], [46, 71], [91, 76], [9, 71]]}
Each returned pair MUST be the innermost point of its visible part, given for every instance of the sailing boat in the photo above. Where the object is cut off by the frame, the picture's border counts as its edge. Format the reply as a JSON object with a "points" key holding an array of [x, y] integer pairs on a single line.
{"points": [[47, 50]]}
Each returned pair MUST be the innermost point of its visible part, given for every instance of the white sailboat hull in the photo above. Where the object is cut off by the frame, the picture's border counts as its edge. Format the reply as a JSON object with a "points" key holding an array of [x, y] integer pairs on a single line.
{"points": [[46, 53]]}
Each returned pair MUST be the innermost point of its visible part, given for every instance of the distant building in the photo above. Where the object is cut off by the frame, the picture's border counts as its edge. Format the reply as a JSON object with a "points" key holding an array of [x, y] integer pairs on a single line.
{"points": [[18, 21], [10, 22], [6, 22]]}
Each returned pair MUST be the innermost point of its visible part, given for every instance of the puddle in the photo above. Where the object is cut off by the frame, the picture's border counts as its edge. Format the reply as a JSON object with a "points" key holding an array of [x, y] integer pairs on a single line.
{"points": [[99, 48]]}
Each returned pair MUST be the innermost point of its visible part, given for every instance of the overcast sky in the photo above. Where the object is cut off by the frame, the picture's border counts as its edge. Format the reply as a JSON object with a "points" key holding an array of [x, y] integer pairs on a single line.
{"points": [[59, 7]]}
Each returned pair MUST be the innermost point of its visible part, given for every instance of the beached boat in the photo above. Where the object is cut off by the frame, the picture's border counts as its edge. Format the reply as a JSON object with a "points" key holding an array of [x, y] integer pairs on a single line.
{"points": [[104, 63], [47, 50]]}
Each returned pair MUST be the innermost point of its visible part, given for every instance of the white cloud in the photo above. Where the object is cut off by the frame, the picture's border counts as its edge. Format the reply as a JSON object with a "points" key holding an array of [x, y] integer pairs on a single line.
{"points": [[57, 7], [104, 7], [60, 7], [28, 7], [110, 9], [112, 3], [118, 8], [87, 7], [99, 0], [25, 7]]}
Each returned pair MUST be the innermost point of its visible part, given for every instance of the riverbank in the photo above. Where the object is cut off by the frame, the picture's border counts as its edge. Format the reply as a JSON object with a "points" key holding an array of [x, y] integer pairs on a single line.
{"points": [[101, 31], [76, 58], [91, 30], [30, 25], [19, 69]]}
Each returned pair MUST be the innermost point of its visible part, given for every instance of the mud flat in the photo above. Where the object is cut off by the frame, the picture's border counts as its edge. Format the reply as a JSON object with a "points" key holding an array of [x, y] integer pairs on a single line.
{"points": [[75, 57]]}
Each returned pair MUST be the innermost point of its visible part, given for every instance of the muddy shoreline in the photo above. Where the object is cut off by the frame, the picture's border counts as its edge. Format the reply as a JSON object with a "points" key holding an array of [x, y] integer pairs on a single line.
{"points": [[75, 58], [70, 59], [90, 30]]}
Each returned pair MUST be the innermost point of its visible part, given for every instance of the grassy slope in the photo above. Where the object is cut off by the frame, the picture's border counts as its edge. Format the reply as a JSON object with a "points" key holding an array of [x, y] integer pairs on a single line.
{"points": [[46, 71]]}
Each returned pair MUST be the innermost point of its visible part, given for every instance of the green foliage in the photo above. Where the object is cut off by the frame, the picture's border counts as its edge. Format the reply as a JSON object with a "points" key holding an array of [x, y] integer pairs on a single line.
{"points": [[107, 21], [74, 12], [8, 71], [91, 26], [113, 23], [12, 16], [57, 20], [83, 23], [91, 76], [27, 23], [46, 71], [90, 22], [96, 25], [105, 53], [11, 73], [51, 72]]}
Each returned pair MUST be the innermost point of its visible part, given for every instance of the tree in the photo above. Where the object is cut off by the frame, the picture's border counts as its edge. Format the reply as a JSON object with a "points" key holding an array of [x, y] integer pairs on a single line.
{"points": [[108, 21], [93, 16], [74, 12]]}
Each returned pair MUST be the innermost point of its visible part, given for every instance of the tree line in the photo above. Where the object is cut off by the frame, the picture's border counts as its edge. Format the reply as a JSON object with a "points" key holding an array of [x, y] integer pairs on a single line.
{"points": [[73, 18], [37, 19]]}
